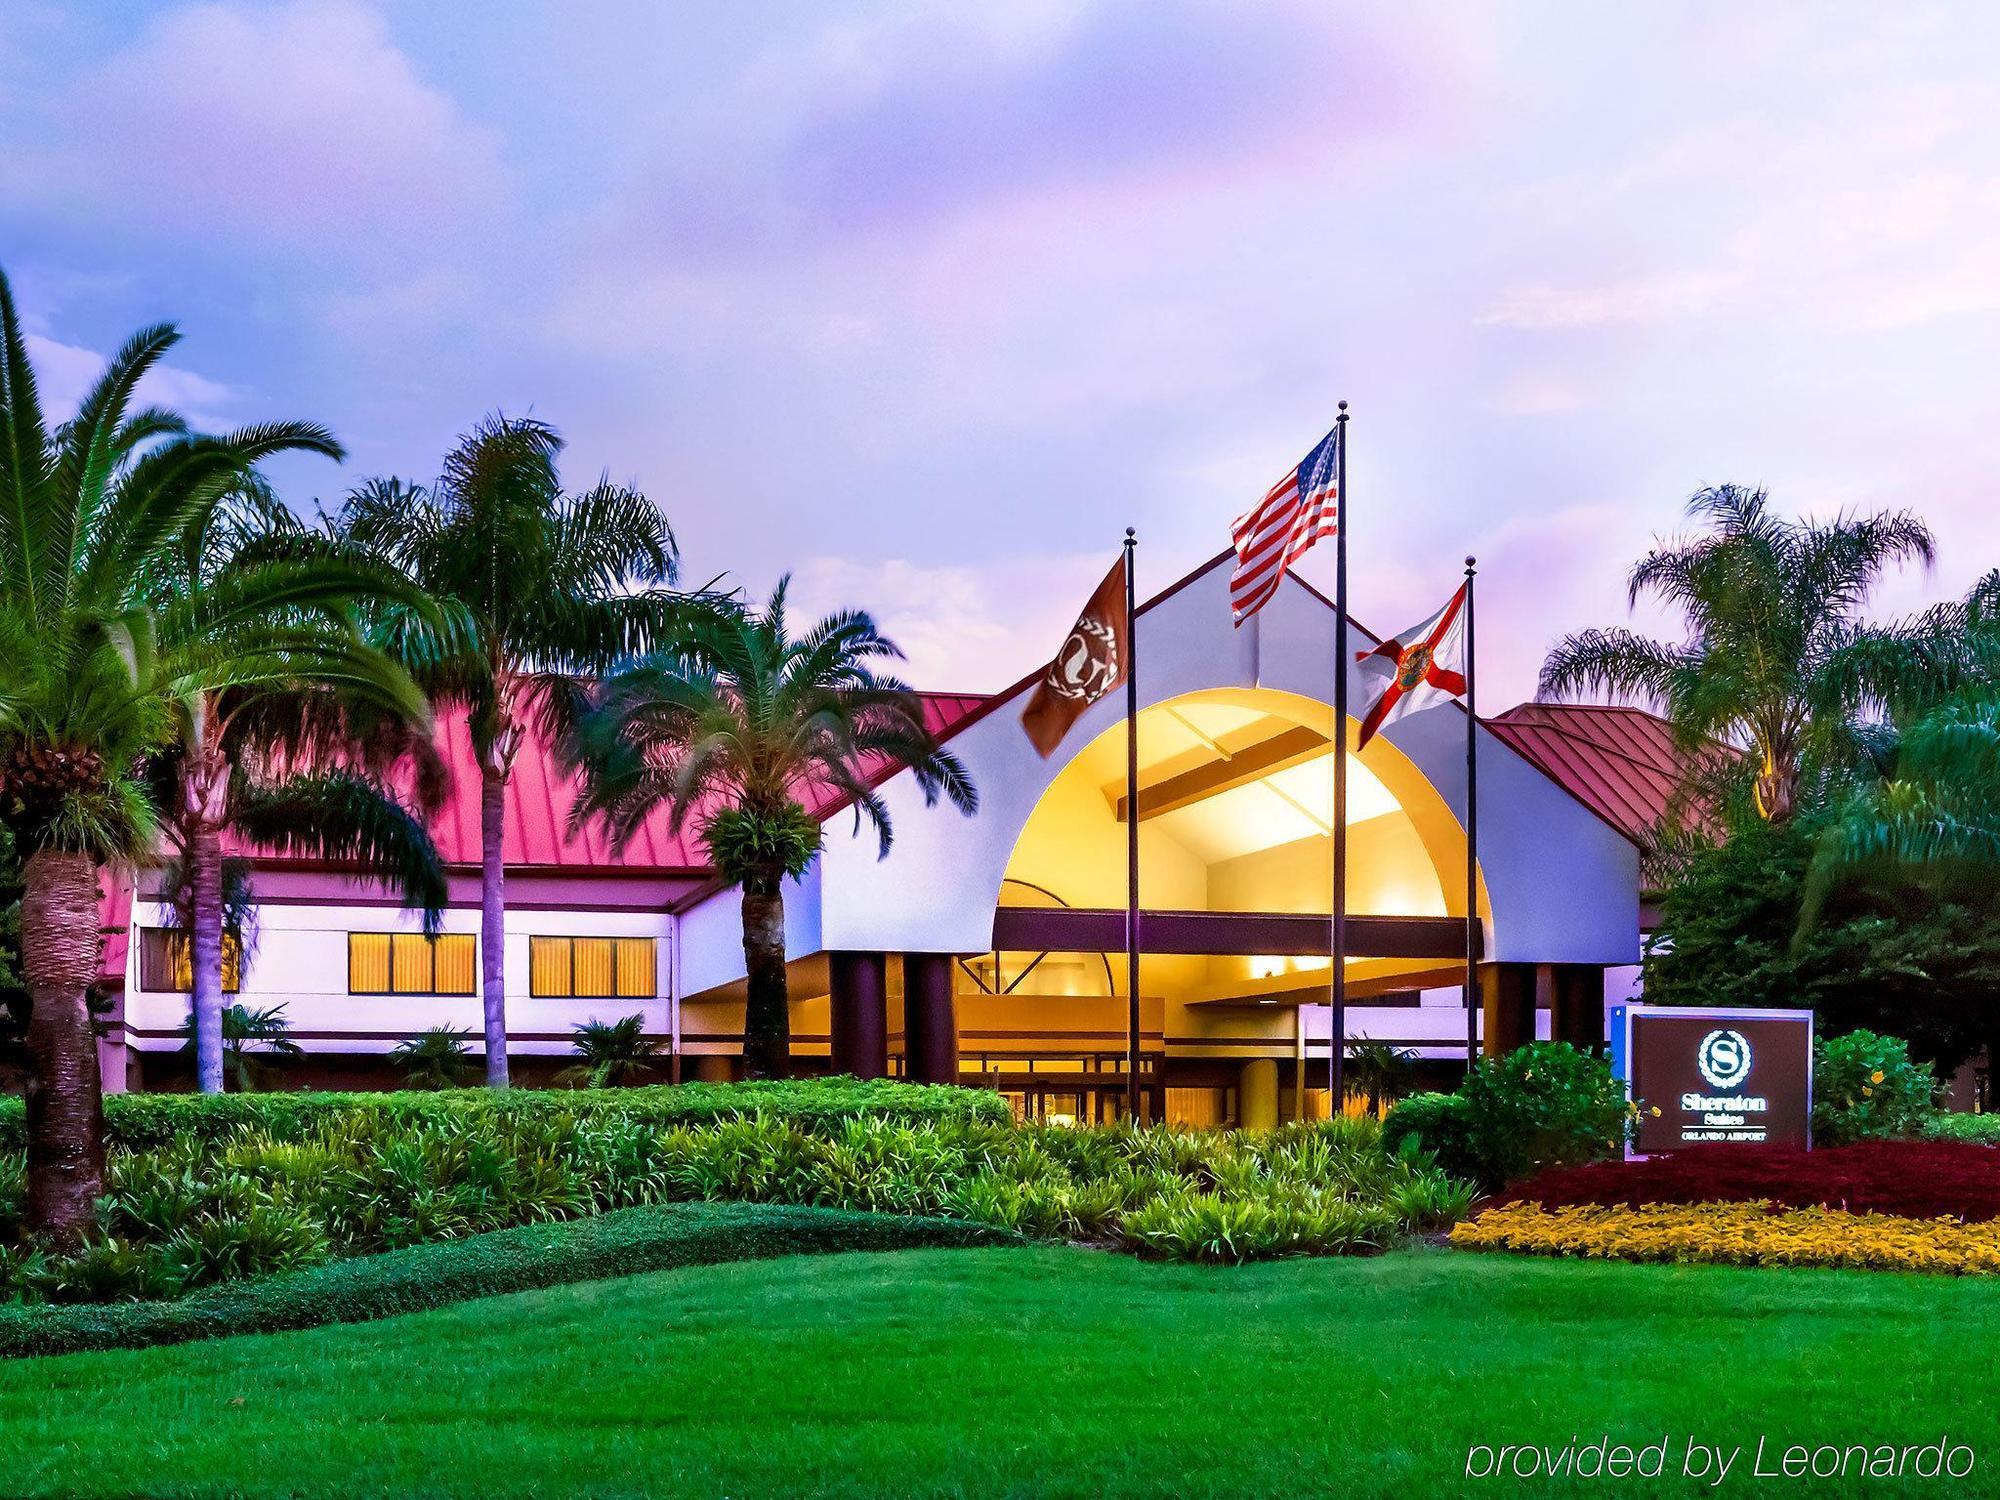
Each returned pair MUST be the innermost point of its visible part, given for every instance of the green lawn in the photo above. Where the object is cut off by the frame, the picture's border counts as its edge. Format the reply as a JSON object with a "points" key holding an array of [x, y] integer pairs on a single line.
{"points": [[1025, 1371]]}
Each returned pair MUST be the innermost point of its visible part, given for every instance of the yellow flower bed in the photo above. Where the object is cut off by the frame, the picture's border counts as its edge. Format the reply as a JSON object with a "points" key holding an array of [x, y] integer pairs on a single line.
{"points": [[1738, 1234]]}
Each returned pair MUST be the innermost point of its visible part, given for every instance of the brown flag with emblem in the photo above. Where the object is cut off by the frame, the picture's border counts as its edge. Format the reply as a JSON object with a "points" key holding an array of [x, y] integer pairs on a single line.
{"points": [[1093, 660]]}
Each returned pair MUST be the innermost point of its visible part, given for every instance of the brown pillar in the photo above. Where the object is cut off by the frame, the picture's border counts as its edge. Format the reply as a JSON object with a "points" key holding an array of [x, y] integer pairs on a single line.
{"points": [[860, 1006], [1576, 1010], [930, 1018], [1507, 1006]]}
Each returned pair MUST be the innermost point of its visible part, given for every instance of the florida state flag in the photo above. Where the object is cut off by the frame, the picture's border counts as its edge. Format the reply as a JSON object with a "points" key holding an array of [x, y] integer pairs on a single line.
{"points": [[1421, 666], [1093, 660]]}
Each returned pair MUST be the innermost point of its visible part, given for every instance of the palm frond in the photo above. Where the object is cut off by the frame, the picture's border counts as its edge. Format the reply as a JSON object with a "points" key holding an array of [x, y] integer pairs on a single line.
{"points": [[347, 819]]}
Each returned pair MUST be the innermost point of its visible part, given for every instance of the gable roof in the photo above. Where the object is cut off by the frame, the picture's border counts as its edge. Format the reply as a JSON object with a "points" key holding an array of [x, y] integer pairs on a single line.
{"points": [[1624, 764]]}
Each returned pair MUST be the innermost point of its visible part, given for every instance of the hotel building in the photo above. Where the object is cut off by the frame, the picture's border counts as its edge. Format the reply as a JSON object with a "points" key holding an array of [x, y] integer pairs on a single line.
{"points": [[989, 949]]}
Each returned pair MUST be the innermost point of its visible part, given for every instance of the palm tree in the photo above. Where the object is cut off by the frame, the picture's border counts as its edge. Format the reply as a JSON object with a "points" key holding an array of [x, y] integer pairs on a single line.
{"points": [[732, 729], [282, 761], [1933, 821], [1776, 659], [1380, 1072], [95, 675], [247, 1031], [549, 586], [610, 1053], [435, 1059]]}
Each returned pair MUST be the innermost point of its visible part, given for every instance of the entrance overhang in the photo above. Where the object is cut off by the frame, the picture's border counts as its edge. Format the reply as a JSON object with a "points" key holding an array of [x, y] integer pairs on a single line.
{"points": [[1074, 929]]}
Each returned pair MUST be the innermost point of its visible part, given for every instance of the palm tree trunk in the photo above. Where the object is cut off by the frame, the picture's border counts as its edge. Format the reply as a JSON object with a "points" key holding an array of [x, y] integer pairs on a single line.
{"points": [[205, 942], [204, 794], [767, 1024], [61, 948], [493, 920]]}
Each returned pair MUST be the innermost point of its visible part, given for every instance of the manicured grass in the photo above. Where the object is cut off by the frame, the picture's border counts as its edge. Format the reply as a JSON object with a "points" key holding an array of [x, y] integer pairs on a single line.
{"points": [[1026, 1371]]}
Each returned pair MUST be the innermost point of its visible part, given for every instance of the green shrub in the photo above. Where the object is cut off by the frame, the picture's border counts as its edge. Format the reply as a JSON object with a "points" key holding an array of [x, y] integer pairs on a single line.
{"points": [[137, 1121], [1543, 1105], [1976, 1130], [1437, 1124], [1865, 1086], [511, 1260], [1218, 1230], [197, 1211]]}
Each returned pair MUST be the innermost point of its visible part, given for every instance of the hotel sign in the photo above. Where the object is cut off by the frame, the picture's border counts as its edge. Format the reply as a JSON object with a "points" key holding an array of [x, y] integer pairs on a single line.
{"points": [[1707, 1075]]}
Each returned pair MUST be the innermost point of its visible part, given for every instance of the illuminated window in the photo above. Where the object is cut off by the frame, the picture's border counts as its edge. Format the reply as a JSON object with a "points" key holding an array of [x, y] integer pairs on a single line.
{"points": [[166, 962], [592, 968], [408, 963]]}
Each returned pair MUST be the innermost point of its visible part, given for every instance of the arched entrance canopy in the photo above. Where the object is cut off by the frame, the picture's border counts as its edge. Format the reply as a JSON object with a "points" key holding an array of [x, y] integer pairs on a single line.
{"points": [[1235, 808]]}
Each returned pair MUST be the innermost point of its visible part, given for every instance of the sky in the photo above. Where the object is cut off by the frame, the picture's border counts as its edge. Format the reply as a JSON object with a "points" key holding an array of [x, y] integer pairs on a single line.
{"points": [[926, 304]]}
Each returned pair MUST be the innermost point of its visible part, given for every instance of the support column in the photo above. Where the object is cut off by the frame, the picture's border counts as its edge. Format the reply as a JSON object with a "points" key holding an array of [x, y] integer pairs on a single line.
{"points": [[860, 1005], [930, 1018], [1576, 1009], [1257, 1095], [1507, 1006]]}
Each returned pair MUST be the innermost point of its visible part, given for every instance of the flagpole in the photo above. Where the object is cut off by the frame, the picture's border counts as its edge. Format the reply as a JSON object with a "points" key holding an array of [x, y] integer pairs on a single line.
{"points": [[1131, 832], [1337, 1010], [1471, 825]]}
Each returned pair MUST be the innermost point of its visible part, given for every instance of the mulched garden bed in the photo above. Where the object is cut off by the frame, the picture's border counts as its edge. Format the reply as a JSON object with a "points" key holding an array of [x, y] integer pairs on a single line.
{"points": [[1913, 1179]]}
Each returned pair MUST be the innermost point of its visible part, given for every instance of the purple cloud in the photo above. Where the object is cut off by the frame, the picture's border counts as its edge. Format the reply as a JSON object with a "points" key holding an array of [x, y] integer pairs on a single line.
{"points": [[904, 126], [301, 124]]}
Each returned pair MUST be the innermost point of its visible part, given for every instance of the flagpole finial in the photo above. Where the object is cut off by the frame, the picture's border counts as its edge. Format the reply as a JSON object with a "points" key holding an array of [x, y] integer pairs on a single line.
{"points": [[1471, 562], [1343, 407], [1131, 533]]}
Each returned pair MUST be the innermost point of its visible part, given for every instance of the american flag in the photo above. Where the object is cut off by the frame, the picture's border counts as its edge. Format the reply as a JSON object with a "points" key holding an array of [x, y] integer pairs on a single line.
{"points": [[1299, 510]]}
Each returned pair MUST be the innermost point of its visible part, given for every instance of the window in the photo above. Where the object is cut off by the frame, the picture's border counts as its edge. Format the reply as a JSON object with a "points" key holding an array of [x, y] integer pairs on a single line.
{"points": [[166, 962], [592, 968], [408, 963]]}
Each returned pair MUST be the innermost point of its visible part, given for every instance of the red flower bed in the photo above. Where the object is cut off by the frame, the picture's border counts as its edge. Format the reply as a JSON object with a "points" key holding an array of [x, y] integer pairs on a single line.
{"points": [[1915, 1179]]}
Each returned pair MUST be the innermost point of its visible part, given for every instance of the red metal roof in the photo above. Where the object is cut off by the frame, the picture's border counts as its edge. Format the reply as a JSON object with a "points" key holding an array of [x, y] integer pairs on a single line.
{"points": [[540, 797], [1621, 763]]}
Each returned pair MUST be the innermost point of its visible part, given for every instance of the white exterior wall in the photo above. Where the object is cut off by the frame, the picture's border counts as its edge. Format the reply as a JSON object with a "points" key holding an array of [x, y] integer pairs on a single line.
{"points": [[300, 961], [711, 933]]}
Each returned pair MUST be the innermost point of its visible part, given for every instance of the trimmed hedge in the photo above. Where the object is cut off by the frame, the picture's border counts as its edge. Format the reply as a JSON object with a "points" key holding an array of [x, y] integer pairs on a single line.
{"points": [[508, 1260], [1977, 1130], [138, 1122]]}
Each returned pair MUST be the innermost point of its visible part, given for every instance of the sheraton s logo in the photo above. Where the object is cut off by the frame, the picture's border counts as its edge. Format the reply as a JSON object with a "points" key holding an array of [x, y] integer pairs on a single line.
{"points": [[1724, 1058]]}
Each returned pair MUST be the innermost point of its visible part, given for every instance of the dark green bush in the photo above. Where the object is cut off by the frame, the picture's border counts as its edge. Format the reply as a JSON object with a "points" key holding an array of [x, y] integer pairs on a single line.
{"points": [[138, 1121], [1543, 1105], [1433, 1123], [508, 1260], [1865, 1087]]}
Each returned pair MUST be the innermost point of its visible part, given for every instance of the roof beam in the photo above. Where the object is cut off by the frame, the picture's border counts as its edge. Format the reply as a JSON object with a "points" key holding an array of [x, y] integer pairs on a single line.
{"points": [[1245, 764]]}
